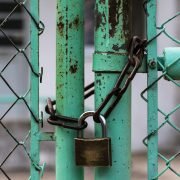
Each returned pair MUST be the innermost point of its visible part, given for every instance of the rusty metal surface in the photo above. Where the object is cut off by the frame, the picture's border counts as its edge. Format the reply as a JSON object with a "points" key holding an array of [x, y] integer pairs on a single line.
{"points": [[113, 25], [112, 36], [93, 152], [69, 82]]}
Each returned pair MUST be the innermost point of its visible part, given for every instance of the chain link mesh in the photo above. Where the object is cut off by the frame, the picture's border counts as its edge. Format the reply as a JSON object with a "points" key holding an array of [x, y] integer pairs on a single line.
{"points": [[167, 116], [168, 120], [19, 98]]}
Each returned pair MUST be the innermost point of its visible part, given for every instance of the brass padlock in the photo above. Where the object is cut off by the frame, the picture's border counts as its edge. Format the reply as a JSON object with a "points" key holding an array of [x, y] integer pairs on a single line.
{"points": [[93, 151]]}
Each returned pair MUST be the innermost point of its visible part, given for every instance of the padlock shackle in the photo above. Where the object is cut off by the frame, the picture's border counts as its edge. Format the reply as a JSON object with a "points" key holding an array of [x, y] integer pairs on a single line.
{"points": [[83, 118]]}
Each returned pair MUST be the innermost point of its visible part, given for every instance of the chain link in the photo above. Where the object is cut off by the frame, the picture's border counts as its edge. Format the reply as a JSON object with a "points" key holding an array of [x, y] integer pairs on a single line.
{"points": [[24, 51], [64, 121], [59, 120], [135, 58], [167, 117]]}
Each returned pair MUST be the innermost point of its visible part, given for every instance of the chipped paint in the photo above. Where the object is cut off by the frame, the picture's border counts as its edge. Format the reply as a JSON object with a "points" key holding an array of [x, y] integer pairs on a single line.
{"points": [[75, 23], [127, 18], [112, 19], [69, 81], [113, 25], [114, 13], [73, 68]]}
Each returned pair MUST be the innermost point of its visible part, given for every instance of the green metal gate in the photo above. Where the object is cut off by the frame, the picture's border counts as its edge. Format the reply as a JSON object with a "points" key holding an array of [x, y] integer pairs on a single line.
{"points": [[30, 53], [111, 38]]}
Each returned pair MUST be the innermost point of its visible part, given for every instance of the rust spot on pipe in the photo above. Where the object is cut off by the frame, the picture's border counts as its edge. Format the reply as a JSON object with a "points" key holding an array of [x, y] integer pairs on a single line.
{"points": [[73, 68], [126, 11], [60, 26], [75, 23], [118, 9], [116, 47], [100, 18], [114, 13]]}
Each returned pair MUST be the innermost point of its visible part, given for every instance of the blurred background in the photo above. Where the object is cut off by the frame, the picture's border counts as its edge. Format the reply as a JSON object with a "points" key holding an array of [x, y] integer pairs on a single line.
{"points": [[17, 119]]}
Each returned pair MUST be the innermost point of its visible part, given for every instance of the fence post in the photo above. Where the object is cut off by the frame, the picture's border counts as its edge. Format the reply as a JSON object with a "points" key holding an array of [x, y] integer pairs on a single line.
{"points": [[112, 35], [152, 92], [34, 102], [69, 82]]}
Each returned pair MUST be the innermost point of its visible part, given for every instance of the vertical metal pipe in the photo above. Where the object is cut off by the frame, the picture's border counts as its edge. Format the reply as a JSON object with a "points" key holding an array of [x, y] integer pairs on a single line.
{"points": [[112, 35], [152, 92], [34, 101], [69, 82]]}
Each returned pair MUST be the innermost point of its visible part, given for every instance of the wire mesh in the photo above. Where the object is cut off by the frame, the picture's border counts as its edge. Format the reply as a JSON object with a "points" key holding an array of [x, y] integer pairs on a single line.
{"points": [[169, 119], [18, 98]]}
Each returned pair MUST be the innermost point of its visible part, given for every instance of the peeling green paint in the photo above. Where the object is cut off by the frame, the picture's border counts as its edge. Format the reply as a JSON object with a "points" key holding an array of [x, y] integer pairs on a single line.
{"points": [[69, 82]]}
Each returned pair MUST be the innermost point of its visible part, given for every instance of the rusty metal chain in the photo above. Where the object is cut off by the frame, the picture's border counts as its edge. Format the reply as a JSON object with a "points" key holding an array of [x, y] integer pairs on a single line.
{"points": [[59, 120], [135, 58], [136, 53], [64, 121]]}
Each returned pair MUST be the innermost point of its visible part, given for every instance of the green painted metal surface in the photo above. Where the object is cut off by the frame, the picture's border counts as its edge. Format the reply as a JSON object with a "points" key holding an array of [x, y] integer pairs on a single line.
{"points": [[112, 35], [152, 92], [46, 136], [34, 98], [113, 62], [172, 62], [69, 82]]}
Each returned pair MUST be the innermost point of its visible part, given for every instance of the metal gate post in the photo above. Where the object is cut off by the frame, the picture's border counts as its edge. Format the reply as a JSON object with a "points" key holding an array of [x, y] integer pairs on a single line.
{"points": [[69, 82], [152, 92], [34, 102], [112, 35]]}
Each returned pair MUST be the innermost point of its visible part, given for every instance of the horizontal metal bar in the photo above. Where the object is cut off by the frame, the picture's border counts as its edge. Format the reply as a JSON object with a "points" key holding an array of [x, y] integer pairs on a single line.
{"points": [[114, 62]]}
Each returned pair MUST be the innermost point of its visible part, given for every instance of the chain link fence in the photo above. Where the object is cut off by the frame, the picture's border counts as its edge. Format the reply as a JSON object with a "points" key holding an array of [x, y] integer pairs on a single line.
{"points": [[16, 51], [23, 98], [169, 118]]}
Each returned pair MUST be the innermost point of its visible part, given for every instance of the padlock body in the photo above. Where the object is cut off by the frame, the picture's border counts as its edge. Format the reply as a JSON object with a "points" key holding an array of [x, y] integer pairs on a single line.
{"points": [[93, 152]]}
